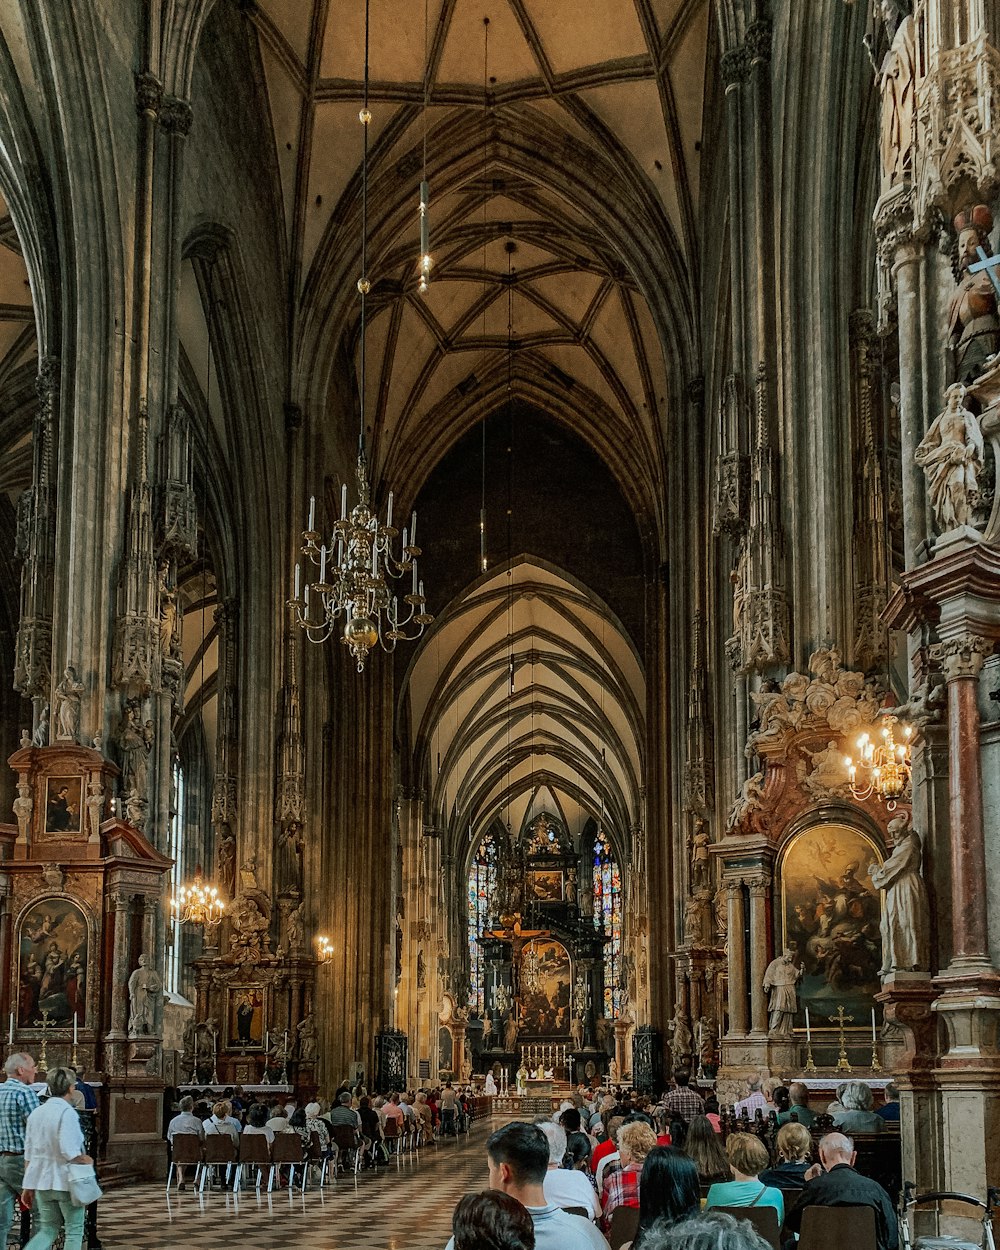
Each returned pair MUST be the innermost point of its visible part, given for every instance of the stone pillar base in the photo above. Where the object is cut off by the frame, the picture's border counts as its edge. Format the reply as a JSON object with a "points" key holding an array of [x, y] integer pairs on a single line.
{"points": [[135, 1126], [970, 1009], [907, 999]]}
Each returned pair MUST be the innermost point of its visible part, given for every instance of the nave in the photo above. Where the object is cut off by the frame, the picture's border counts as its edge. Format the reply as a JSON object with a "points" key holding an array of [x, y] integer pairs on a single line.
{"points": [[405, 1206]]}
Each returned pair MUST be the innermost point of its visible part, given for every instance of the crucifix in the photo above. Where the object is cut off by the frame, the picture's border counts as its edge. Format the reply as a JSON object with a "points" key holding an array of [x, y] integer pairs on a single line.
{"points": [[842, 1020], [987, 265], [43, 1060]]}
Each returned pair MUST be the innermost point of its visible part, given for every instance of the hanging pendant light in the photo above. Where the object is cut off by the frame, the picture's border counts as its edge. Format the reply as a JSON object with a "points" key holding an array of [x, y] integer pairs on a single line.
{"points": [[353, 591]]}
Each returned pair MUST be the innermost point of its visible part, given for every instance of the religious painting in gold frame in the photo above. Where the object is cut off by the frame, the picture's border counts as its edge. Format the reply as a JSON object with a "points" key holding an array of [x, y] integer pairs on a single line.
{"points": [[63, 806], [545, 1010], [546, 884], [830, 916], [53, 939], [245, 1017]]}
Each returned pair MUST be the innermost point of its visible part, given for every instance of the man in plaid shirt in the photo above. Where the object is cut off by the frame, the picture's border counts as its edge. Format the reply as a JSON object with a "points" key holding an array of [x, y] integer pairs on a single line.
{"points": [[682, 1100], [17, 1101]]}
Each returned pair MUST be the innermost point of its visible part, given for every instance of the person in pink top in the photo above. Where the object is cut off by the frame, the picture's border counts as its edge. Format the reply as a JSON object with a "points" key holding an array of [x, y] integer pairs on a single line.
{"points": [[392, 1110]]}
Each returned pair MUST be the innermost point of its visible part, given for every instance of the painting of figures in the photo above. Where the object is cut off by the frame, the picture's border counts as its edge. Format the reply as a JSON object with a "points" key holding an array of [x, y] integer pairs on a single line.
{"points": [[546, 884], [831, 918], [546, 1008], [63, 805], [246, 1017], [52, 963]]}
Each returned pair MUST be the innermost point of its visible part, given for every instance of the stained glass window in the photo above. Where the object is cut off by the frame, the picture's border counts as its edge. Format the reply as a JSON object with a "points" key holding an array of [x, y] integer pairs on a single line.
{"points": [[482, 884], [608, 919]]}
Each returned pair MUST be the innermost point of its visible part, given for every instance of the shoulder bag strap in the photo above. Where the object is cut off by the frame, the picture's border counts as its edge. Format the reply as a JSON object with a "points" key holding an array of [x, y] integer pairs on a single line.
{"points": [[758, 1198]]}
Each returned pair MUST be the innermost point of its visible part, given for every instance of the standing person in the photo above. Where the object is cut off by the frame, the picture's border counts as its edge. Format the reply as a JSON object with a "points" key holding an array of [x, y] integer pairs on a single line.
{"points": [[17, 1102], [449, 1104], [54, 1139], [682, 1100]]}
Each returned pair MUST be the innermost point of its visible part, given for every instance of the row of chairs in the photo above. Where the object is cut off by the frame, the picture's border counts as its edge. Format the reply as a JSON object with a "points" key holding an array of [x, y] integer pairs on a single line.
{"points": [[218, 1150], [823, 1228]]}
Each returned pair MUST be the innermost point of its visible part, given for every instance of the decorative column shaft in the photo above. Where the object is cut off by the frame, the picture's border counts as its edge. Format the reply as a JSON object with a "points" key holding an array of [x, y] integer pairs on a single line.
{"points": [[737, 960], [962, 658], [120, 905], [759, 927]]}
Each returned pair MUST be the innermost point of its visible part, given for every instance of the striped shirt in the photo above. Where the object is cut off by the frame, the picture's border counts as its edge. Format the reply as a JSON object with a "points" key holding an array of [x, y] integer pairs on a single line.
{"points": [[17, 1101]]}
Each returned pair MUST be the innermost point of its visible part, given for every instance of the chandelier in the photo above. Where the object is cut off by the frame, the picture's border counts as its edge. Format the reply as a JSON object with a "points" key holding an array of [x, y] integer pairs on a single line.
{"points": [[197, 903], [324, 949], [530, 973], [358, 565], [883, 768]]}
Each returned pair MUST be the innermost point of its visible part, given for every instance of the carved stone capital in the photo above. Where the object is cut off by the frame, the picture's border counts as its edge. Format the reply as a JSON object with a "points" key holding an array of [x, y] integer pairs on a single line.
{"points": [[735, 67], [759, 37], [175, 116], [759, 887], [961, 658], [148, 94], [695, 390]]}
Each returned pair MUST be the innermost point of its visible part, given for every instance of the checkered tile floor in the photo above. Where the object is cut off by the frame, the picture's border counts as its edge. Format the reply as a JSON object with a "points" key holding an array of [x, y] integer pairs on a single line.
{"points": [[405, 1206]]}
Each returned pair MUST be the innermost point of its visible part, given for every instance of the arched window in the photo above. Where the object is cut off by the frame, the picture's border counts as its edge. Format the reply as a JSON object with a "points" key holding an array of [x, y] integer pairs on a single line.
{"points": [[608, 919], [482, 884]]}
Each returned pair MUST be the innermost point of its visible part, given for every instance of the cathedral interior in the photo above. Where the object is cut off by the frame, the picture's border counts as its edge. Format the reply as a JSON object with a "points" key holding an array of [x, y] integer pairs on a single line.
{"points": [[671, 327]]}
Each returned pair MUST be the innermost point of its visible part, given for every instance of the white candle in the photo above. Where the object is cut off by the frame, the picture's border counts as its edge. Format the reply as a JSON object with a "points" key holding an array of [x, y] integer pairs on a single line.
{"points": [[75, 1038], [414, 577], [388, 515], [298, 578], [10, 1031], [312, 513], [322, 564], [873, 1027], [808, 1033], [215, 1042], [374, 556], [343, 502], [413, 529]]}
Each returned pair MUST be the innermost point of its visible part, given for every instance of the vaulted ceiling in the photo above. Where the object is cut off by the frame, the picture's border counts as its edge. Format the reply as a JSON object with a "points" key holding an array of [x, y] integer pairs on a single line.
{"points": [[563, 151]]}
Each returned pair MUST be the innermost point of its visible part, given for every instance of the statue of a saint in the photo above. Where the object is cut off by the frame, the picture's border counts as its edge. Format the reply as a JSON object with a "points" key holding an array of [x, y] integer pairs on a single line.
{"points": [[306, 1030], [973, 321], [40, 738], [24, 805], [571, 886], [906, 917], [296, 929], [780, 979], [67, 712], [132, 742], [169, 640], [749, 800], [487, 1030], [576, 1032], [681, 1038], [226, 861], [952, 455], [897, 80], [828, 773], [144, 985], [510, 1032], [700, 860]]}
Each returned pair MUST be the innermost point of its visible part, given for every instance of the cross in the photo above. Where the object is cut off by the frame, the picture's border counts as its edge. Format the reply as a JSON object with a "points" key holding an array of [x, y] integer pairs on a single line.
{"points": [[987, 264], [841, 1019]]}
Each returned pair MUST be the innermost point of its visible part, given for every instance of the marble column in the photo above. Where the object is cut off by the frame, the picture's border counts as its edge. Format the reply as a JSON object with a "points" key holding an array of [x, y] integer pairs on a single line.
{"points": [[759, 952], [737, 960], [119, 905]]}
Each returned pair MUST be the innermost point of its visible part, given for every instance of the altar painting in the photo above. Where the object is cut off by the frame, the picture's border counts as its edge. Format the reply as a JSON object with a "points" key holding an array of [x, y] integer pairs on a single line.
{"points": [[246, 1017], [546, 1009], [52, 964], [831, 915], [546, 884], [63, 805]]}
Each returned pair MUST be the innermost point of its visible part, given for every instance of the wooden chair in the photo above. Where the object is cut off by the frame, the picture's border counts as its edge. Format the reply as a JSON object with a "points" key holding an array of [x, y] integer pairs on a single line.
{"points": [[391, 1133], [254, 1152], [624, 1226], [832, 1228], [185, 1151], [577, 1211], [219, 1151], [287, 1152], [345, 1139], [763, 1219], [317, 1155]]}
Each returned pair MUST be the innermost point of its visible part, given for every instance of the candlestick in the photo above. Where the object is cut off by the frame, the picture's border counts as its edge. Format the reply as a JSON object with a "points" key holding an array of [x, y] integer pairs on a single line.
{"points": [[808, 1030], [75, 1038], [10, 1031], [810, 1065], [843, 1065]]}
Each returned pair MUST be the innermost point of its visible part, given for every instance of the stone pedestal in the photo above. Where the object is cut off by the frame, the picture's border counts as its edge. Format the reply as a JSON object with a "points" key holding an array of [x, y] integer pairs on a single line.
{"points": [[135, 1125]]}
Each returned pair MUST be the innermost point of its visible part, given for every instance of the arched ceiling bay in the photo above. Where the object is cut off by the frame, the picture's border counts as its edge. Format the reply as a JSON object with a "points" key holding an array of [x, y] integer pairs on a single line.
{"points": [[564, 191], [528, 686]]}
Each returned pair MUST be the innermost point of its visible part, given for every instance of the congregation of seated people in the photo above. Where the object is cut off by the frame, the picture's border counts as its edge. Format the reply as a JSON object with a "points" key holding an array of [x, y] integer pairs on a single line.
{"points": [[613, 1169], [350, 1131]]}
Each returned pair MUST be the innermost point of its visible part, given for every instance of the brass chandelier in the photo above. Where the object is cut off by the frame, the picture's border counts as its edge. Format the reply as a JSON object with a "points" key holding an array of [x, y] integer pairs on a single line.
{"points": [[358, 564], [197, 903], [883, 769]]}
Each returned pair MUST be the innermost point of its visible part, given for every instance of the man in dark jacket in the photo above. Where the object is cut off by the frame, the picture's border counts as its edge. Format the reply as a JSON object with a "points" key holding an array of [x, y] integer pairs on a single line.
{"points": [[833, 1182]]}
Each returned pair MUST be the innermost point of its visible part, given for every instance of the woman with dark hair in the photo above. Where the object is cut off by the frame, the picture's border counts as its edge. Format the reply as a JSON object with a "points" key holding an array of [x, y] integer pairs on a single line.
{"points": [[781, 1099], [492, 1220], [578, 1152], [669, 1191], [704, 1147]]}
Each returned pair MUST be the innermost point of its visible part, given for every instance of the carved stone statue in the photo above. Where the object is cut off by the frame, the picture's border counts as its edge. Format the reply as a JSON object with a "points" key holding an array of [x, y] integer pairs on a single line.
{"points": [[707, 1037], [487, 1030], [576, 1032], [973, 323], [604, 1039], [587, 901], [897, 81], [906, 916], [67, 709], [40, 738], [306, 1031], [169, 639], [135, 809], [828, 773], [248, 937], [134, 747], [248, 874], [421, 971], [780, 979], [925, 706], [700, 859], [296, 929], [144, 986], [226, 862], [571, 886], [952, 454], [25, 740], [24, 805], [95, 808], [290, 857], [749, 800], [681, 1038], [510, 1031]]}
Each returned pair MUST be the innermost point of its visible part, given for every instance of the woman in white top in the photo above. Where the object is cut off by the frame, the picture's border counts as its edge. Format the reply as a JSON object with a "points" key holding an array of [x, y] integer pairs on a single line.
{"points": [[221, 1121], [53, 1139]]}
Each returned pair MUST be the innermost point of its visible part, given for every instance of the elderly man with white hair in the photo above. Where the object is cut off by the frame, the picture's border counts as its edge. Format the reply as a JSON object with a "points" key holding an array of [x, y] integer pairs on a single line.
{"points": [[563, 1187], [833, 1182]]}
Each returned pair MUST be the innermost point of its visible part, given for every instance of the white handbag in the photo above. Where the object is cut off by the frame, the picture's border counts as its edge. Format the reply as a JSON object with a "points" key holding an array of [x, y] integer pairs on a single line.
{"points": [[83, 1186]]}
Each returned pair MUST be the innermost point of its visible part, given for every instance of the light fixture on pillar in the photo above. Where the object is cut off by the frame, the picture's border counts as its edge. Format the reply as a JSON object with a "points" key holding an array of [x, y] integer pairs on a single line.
{"points": [[883, 769], [359, 564], [324, 949], [197, 903]]}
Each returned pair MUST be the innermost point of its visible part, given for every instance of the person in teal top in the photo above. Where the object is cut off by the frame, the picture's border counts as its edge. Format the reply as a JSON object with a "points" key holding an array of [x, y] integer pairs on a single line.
{"points": [[748, 1157], [799, 1097]]}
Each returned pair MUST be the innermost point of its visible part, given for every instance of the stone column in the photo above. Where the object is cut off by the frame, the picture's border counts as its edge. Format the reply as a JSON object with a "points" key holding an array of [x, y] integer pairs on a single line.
{"points": [[759, 952], [737, 960], [119, 905]]}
